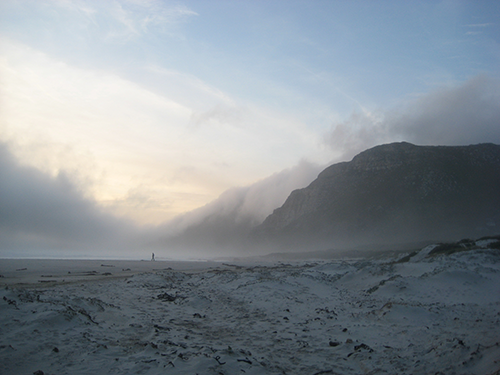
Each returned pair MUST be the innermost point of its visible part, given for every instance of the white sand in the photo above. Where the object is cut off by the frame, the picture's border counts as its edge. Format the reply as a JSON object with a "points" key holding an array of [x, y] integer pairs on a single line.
{"points": [[33, 272], [428, 316]]}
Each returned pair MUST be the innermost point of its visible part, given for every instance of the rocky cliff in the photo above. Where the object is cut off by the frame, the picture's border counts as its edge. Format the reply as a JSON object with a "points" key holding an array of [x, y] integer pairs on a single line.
{"points": [[393, 193]]}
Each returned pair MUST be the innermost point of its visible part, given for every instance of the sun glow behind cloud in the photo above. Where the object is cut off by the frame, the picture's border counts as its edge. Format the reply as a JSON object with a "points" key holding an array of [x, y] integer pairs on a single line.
{"points": [[140, 153]]}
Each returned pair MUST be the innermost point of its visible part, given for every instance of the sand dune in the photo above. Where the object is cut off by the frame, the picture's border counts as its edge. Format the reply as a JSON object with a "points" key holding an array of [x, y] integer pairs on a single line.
{"points": [[425, 314]]}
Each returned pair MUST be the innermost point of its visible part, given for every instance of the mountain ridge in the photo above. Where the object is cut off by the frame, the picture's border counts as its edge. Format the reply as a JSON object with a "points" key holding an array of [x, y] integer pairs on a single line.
{"points": [[396, 192]]}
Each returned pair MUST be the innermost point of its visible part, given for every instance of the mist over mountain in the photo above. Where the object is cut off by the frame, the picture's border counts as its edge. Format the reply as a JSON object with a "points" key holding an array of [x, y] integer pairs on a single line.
{"points": [[224, 224], [392, 194]]}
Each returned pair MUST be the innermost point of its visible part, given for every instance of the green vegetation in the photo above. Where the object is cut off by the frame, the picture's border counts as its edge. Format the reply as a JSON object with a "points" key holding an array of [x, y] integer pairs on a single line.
{"points": [[463, 245], [408, 257]]}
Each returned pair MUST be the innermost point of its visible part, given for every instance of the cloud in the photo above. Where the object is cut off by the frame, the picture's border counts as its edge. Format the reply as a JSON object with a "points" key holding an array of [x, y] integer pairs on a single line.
{"points": [[38, 211], [127, 20], [109, 130], [222, 225], [50, 215], [480, 25], [179, 134], [255, 202], [465, 114], [218, 115]]}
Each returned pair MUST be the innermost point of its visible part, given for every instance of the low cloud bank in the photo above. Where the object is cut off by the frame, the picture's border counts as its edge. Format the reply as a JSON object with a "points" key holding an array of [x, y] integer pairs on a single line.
{"points": [[41, 215], [221, 227], [46, 216], [461, 115]]}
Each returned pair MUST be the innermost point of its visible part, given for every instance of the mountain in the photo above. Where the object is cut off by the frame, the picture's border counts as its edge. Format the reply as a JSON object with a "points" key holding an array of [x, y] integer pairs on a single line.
{"points": [[392, 194]]}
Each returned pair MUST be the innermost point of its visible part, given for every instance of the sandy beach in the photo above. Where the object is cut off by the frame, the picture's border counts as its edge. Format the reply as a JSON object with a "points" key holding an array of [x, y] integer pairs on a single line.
{"points": [[421, 314], [34, 272]]}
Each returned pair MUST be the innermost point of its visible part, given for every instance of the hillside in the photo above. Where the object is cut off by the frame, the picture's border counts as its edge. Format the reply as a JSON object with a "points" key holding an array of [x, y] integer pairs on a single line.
{"points": [[392, 194]]}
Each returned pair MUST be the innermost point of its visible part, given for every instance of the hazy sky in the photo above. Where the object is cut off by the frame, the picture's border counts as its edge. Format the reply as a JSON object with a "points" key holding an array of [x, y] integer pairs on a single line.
{"points": [[154, 108]]}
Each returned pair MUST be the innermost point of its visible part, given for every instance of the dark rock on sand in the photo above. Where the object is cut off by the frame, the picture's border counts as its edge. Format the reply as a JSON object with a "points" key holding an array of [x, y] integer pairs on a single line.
{"points": [[166, 297], [363, 347]]}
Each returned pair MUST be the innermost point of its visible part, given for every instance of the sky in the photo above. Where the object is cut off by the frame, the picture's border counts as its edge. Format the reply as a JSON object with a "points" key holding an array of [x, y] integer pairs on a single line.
{"points": [[140, 113]]}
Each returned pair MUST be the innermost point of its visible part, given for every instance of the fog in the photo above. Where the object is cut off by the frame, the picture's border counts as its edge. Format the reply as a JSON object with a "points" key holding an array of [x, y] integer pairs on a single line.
{"points": [[41, 215], [221, 227], [47, 216], [50, 216]]}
